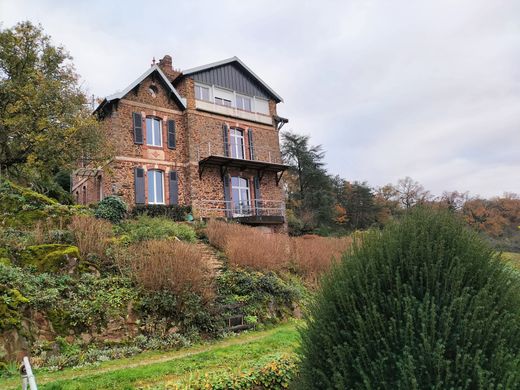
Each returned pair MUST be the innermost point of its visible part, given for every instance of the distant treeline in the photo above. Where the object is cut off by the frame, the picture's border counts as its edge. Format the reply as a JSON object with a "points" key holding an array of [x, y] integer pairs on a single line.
{"points": [[321, 203]]}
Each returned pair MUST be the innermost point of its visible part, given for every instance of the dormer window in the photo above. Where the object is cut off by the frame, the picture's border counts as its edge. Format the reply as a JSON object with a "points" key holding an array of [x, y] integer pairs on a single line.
{"points": [[201, 92], [153, 131], [244, 103], [222, 102]]}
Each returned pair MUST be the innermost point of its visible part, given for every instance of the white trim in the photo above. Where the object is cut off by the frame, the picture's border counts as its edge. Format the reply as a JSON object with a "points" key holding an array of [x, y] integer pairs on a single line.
{"points": [[228, 61], [155, 185], [154, 118]]}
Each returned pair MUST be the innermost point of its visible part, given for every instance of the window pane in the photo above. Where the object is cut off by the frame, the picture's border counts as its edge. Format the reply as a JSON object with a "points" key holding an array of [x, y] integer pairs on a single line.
{"points": [[205, 93], [158, 187], [247, 104], [234, 181], [149, 131], [151, 187], [157, 132]]}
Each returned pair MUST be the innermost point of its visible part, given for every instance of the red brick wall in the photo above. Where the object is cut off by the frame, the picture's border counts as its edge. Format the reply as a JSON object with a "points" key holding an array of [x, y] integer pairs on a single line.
{"points": [[194, 129]]}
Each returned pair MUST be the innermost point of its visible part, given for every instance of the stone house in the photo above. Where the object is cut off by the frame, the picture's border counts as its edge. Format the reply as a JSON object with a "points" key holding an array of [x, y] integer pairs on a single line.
{"points": [[206, 137]]}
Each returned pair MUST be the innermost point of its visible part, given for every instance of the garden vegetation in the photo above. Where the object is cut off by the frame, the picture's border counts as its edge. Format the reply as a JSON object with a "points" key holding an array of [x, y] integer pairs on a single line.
{"points": [[424, 304]]}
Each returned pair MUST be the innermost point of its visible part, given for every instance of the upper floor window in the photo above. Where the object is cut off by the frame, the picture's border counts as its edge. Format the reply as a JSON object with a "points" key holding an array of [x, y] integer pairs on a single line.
{"points": [[244, 103], [201, 92], [153, 131], [236, 142], [223, 102], [155, 187]]}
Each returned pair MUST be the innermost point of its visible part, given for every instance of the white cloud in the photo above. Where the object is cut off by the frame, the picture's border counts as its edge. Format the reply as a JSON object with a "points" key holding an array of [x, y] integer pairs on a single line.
{"points": [[426, 89]]}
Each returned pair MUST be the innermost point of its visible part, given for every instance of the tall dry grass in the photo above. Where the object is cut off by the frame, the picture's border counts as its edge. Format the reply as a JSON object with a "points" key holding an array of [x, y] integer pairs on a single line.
{"points": [[313, 255], [92, 236], [166, 265], [245, 246]]}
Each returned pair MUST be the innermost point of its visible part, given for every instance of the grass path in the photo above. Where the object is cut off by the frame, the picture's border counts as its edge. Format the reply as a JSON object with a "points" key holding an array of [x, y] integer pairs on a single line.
{"points": [[156, 367]]}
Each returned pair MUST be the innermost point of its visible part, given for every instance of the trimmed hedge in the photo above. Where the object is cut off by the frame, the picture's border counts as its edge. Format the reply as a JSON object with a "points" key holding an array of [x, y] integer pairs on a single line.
{"points": [[176, 212], [423, 305]]}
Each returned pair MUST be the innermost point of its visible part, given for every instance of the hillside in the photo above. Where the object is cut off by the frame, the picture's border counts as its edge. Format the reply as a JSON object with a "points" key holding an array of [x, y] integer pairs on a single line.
{"points": [[77, 290]]}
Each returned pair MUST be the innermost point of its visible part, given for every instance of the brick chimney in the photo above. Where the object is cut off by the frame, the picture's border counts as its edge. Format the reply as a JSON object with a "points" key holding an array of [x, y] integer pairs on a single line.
{"points": [[166, 66]]}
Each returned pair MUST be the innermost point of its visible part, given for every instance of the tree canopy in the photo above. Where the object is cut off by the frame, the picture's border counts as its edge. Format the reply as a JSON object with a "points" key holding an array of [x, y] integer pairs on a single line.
{"points": [[45, 121]]}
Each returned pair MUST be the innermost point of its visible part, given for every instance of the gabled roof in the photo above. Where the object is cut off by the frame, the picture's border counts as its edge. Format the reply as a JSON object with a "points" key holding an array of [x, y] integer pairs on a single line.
{"points": [[236, 60], [139, 80]]}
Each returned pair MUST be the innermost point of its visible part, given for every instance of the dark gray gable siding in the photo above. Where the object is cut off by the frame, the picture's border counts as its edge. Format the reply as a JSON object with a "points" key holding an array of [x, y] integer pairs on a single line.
{"points": [[230, 76]]}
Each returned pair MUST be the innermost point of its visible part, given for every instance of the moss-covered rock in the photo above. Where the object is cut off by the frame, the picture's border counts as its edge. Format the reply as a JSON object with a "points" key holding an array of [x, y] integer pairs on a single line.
{"points": [[22, 207], [51, 257], [10, 301]]}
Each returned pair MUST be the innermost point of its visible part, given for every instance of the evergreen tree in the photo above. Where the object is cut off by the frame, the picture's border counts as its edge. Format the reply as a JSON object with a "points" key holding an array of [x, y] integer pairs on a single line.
{"points": [[310, 191], [424, 304]]}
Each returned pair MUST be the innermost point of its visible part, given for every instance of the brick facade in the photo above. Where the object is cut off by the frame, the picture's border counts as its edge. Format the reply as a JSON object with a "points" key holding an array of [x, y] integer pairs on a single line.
{"points": [[198, 134]]}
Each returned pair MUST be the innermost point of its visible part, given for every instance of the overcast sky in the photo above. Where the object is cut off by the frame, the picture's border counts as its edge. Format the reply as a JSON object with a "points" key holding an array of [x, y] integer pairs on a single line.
{"points": [[427, 89]]}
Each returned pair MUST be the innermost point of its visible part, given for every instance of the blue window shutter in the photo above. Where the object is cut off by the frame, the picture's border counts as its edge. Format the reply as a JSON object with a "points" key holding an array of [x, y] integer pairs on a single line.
{"points": [[227, 196], [251, 144], [258, 195], [174, 187], [138, 128], [139, 185], [225, 139], [171, 134]]}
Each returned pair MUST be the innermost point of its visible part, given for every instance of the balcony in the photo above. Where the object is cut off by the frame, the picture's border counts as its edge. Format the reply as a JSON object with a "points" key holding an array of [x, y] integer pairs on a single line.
{"points": [[233, 112], [240, 156], [252, 212]]}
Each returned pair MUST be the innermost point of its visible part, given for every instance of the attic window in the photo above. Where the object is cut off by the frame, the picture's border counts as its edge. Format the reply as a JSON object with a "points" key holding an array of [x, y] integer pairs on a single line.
{"points": [[153, 91]]}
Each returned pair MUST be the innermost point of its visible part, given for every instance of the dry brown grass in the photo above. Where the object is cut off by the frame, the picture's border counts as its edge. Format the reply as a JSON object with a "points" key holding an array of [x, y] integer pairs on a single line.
{"points": [[313, 255], [92, 236], [166, 265], [249, 247]]}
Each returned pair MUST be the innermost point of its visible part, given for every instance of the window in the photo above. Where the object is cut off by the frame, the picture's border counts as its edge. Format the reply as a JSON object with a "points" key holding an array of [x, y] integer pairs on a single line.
{"points": [[153, 91], [222, 102], [153, 132], [261, 106], [241, 196], [243, 103], [236, 143], [155, 187], [201, 92]]}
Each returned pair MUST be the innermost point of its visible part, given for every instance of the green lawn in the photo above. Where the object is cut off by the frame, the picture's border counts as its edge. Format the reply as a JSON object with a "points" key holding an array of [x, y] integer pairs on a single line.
{"points": [[155, 368]]}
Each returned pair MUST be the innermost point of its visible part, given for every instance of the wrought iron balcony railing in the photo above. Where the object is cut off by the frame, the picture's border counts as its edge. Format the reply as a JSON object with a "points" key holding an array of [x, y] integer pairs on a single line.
{"points": [[239, 151]]}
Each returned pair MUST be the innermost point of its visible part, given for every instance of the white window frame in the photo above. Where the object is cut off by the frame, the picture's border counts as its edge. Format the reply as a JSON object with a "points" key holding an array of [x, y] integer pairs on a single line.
{"points": [[208, 87], [244, 97], [264, 101], [235, 145], [148, 176], [247, 201], [152, 141]]}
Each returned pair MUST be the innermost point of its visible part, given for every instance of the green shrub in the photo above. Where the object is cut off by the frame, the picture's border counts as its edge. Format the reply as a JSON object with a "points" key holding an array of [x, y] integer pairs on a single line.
{"points": [[148, 228], [176, 212], [111, 208], [423, 305], [49, 257], [266, 297], [274, 375]]}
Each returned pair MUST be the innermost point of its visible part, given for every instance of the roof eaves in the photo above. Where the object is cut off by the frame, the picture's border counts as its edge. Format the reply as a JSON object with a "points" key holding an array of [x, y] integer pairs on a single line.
{"points": [[140, 79], [229, 61]]}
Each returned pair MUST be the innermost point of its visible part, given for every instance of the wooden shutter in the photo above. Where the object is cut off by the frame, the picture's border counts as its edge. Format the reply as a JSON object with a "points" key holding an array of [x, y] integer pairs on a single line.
{"points": [[174, 187], [225, 139], [227, 196], [258, 195], [251, 145], [139, 185], [138, 128], [171, 134]]}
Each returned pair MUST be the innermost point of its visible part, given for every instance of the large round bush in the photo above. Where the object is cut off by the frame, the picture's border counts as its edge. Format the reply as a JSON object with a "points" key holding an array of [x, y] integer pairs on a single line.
{"points": [[112, 208], [423, 304]]}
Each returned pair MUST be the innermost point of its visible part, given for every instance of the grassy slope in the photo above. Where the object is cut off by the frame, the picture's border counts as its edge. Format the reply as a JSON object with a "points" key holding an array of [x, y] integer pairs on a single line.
{"points": [[242, 351], [512, 258]]}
